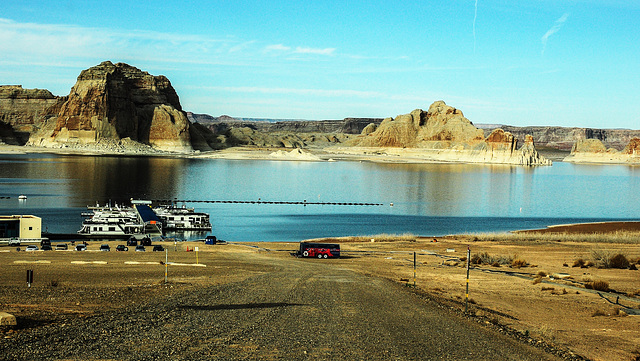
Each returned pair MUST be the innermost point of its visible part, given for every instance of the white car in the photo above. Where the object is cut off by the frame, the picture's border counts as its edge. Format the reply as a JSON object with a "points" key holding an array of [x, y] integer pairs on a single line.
{"points": [[31, 248]]}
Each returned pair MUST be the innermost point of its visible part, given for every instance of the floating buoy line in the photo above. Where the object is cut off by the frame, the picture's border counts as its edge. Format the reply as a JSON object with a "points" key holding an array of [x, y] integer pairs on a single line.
{"points": [[304, 202]]}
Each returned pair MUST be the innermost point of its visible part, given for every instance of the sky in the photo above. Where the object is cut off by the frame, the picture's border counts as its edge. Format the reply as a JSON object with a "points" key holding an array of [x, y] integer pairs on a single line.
{"points": [[516, 62]]}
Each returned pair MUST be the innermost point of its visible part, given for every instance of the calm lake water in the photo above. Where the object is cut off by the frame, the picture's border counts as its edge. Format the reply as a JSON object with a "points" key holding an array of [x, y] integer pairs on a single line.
{"points": [[428, 199]]}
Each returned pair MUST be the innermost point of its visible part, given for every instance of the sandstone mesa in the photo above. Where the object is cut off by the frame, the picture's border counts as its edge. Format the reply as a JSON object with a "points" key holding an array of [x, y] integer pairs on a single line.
{"points": [[443, 134], [594, 151]]}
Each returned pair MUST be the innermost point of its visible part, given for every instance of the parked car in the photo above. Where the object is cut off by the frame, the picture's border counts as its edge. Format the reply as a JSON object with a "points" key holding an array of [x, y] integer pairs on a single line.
{"points": [[14, 242], [105, 247], [132, 241], [81, 247], [140, 248], [31, 248], [158, 248], [45, 242], [47, 247], [121, 248], [61, 247]]}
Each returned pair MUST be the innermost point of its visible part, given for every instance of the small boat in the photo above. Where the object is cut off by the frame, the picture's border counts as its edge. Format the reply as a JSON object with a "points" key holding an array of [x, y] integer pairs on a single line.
{"points": [[22, 197]]}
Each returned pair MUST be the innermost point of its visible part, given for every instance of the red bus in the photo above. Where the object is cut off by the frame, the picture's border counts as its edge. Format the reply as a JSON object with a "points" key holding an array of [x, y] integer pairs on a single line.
{"points": [[319, 250]]}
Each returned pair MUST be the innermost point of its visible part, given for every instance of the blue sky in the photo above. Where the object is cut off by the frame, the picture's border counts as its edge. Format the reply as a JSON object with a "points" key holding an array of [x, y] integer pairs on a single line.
{"points": [[533, 62]]}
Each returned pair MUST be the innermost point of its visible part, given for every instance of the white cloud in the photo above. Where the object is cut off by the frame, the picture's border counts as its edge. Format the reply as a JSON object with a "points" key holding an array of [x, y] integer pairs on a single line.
{"points": [[325, 51], [554, 29], [277, 47], [299, 91], [299, 49]]}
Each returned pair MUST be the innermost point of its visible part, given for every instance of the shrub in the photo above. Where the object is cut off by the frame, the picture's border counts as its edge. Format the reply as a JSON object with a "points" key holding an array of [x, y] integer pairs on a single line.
{"points": [[579, 263], [542, 274], [518, 263], [54, 283], [601, 258], [598, 285], [537, 280], [619, 261], [495, 264]]}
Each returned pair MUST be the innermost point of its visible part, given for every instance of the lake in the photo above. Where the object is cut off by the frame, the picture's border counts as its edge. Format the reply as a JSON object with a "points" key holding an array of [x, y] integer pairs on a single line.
{"points": [[422, 199]]}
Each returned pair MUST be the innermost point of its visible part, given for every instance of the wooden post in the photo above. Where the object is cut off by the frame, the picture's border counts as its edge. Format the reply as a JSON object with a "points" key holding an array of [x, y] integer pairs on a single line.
{"points": [[29, 277], [166, 265], [414, 269], [466, 300]]}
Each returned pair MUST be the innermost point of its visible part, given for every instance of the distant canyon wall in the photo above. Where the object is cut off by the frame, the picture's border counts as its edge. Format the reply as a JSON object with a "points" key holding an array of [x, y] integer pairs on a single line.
{"points": [[564, 138]]}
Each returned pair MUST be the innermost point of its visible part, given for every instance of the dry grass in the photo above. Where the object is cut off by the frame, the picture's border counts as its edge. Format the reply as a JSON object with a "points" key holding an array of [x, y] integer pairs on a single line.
{"points": [[624, 237]]}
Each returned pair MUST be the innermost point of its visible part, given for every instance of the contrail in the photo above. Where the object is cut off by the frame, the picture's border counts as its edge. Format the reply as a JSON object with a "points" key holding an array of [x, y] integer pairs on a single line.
{"points": [[554, 29], [475, 16]]}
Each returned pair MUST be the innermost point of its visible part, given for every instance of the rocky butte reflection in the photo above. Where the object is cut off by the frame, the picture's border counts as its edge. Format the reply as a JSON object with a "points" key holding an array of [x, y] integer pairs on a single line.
{"points": [[120, 178]]}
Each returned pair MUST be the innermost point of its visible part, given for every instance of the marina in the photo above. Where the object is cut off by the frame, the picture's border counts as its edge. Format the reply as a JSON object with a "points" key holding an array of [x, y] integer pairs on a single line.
{"points": [[140, 219]]}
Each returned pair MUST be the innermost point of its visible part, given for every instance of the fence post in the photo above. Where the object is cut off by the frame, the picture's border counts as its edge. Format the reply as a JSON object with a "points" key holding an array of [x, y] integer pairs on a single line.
{"points": [[414, 269], [29, 277], [466, 300], [166, 264]]}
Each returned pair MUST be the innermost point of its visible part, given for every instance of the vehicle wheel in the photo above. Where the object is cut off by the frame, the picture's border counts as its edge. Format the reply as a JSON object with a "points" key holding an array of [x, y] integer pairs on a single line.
{"points": [[126, 249], [319, 255], [325, 255], [305, 254]]}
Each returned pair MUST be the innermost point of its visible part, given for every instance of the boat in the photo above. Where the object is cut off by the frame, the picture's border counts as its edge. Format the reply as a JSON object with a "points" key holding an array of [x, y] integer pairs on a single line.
{"points": [[141, 219], [182, 218], [112, 221], [22, 197]]}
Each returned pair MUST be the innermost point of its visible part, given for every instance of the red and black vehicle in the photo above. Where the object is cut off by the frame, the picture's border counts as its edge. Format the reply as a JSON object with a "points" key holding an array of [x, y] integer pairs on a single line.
{"points": [[319, 250]]}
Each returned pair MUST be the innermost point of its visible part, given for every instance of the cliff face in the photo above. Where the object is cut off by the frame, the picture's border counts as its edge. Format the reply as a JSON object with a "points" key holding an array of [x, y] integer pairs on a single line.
{"points": [[594, 151], [564, 138], [114, 102], [224, 123], [444, 134], [24, 110]]}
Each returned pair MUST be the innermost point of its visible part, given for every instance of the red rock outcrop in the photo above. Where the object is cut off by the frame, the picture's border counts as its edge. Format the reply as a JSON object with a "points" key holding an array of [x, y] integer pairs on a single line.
{"points": [[118, 101]]}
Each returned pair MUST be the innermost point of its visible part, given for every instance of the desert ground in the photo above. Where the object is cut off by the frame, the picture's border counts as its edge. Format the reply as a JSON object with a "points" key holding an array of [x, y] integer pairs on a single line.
{"points": [[530, 293]]}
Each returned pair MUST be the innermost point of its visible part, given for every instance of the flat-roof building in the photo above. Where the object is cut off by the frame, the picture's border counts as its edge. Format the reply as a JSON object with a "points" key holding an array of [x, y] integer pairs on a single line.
{"points": [[20, 226]]}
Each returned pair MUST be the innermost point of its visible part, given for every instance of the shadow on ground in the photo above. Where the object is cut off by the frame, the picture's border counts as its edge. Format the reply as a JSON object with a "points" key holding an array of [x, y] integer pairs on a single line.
{"points": [[241, 306]]}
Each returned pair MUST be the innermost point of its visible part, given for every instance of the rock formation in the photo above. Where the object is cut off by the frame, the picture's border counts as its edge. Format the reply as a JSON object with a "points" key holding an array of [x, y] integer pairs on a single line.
{"points": [[563, 138], [24, 110], [114, 102], [443, 134], [594, 151]]}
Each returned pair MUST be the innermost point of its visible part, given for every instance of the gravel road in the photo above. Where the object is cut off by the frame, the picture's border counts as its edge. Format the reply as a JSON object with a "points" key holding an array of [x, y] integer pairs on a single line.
{"points": [[297, 310]]}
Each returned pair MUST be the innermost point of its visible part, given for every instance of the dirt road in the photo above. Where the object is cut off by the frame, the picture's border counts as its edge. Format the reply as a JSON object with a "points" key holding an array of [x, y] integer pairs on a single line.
{"points": [[292, 309]]}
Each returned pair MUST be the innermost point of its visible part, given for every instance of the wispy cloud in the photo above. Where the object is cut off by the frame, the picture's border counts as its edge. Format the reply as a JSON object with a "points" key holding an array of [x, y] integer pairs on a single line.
{"points": [[299, 50], [475, 16], [302, 91], [277, 47], [554, 29], [325, 51]]}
